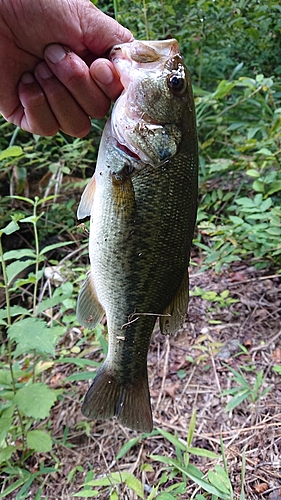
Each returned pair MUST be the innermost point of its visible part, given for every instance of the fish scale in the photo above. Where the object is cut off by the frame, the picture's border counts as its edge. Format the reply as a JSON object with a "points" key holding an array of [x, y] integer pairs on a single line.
{"points": [[142, 201]]}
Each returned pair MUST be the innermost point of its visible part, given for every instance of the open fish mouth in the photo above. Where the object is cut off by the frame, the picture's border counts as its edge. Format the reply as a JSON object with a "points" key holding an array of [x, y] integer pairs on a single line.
{"points": [[127, 151]]}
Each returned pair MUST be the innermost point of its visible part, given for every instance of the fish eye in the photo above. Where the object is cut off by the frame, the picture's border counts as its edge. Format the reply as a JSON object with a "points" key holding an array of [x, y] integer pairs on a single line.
{"points": [[176, 82]]}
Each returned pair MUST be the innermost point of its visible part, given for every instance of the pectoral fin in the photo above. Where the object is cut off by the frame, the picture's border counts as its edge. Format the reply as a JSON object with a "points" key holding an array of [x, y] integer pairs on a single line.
{"points": [[89, 311], [177, 309], [87, 198]]}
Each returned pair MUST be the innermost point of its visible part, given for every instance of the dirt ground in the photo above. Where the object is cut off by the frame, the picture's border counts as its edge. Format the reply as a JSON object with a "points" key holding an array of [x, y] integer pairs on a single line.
{"points": [[186, 372]]}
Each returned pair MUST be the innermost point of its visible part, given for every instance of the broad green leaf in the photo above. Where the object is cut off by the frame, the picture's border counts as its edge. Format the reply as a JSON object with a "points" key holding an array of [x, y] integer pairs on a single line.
{"points": [[218, 480], [30, 334], [35, 400], [48, 248], [253, 173], [16, 267], [39, 441], [6, 453], [14, 311], [264, 151], [134, 484], [19, 254], [6, 421], [9, 229], [11, 151], [52, 301]]}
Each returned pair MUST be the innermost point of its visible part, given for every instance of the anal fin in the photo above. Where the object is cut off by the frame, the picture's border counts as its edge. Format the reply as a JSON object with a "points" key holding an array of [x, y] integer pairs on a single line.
{"points": [[129, 403], [89, 311], [177, 309]]}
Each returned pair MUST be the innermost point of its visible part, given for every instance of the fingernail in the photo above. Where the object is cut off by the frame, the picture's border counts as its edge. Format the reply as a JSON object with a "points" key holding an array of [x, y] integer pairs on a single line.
{"points": [[44, 71], [102, 73], [27, 78], [55, 53]]}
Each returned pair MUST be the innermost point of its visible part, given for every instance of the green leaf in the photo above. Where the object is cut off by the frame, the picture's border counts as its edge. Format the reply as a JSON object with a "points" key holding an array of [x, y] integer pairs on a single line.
{"points": [[9, 229], [258, 186], [35, 400], [14, 311], [202, 452], [81, 376], [57, 298], [264, 151], [19, 254], [6, 421], [220, 479], [237, 400], [11, 151], [126, 447], [191, 428], [39, 441], [165, 496], [87, 494], [134, 484], [6, 453], [13, 486], [173, 439], [17, 267], [48, 248], [30, 334], [253, 173]]}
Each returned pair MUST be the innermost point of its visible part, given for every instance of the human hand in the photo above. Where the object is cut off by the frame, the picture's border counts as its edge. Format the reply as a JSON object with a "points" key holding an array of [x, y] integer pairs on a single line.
{"points": [[53, 71]]}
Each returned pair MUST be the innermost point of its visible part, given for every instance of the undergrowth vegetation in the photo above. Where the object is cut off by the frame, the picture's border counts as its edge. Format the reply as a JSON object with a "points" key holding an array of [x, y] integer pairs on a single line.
{"points": [[232, 50]]}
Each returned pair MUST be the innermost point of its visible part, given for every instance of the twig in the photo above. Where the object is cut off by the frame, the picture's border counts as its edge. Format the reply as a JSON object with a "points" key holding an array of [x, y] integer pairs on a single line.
{"points": [[267, 344]]}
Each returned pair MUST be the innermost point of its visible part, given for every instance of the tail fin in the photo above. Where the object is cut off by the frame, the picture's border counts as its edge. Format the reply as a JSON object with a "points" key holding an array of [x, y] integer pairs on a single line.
{"points": [[129, 403]]}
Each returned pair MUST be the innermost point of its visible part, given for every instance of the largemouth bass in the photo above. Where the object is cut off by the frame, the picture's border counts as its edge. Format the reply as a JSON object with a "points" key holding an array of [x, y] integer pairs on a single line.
{"points": [[142, 202]]}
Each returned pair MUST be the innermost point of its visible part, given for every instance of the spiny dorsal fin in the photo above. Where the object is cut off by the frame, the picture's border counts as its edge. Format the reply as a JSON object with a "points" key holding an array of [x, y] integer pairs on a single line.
{"points": [[177, 309], [87, 198], [89, 311]]}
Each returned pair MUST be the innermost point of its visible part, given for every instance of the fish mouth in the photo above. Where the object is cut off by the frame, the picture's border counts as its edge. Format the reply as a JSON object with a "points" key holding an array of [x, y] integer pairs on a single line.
{"points": [[127, 151]]}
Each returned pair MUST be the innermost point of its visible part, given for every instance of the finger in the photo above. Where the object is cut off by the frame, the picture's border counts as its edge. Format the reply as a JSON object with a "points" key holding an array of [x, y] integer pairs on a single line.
{"points": [[33, 113], [103, 73], [74, 73], [71, 117]]}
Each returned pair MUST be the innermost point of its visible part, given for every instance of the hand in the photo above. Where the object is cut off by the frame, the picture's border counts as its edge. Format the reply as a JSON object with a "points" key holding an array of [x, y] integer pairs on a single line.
{"points": [[54, 74]]}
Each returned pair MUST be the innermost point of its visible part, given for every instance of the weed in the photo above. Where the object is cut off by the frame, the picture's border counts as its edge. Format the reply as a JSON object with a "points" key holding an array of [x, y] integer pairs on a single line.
{"points": [[243, 389]]}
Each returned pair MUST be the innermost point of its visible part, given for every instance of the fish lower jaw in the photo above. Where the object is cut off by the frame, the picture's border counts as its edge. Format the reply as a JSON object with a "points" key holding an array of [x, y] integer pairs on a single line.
{"points": [[140, 159]]}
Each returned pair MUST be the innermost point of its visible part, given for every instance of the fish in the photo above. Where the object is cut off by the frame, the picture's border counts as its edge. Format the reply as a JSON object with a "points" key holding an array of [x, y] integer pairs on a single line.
{"points": [[142, 203]]}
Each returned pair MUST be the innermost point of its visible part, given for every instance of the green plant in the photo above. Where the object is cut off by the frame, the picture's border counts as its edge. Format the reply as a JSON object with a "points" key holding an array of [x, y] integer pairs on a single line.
{"points": [[244, 389], [219, 300], [29, 339]]}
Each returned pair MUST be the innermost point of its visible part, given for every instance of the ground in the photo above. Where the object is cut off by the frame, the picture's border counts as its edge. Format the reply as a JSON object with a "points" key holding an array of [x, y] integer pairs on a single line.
{"points": [[188, 372]]}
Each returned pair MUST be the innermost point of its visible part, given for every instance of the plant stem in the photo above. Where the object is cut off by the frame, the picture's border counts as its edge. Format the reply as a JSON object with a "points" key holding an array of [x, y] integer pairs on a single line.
{"points": [[37, 252], [115, 7], [145, 20], [9, 323]]}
